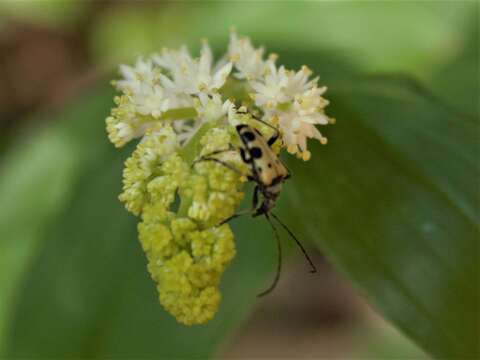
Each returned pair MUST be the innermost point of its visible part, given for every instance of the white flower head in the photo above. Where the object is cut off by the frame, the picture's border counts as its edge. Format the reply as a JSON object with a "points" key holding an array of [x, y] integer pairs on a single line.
{"points": [[192, 76], [248, 61], [124, 124], [187, 92], [296, 131], [210, 80], [295, 101], [298, 82], [212, 107], [135, 76], [150, 100], [270, 90], [311, 102]]}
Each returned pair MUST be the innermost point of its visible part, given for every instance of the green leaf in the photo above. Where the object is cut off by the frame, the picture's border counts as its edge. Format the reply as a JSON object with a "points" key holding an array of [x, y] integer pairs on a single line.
{"points": [[457, 81], [393, 201], [33, 187], [36, 180], [84, 290]]}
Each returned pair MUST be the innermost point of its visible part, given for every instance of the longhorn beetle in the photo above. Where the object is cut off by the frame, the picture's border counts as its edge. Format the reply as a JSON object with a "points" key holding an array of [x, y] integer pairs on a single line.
{"points": [[269, 174]]}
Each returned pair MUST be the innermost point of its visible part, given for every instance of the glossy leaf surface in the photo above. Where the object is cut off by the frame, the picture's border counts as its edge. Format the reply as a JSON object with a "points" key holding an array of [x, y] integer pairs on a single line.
{"points": [[393, 200]]}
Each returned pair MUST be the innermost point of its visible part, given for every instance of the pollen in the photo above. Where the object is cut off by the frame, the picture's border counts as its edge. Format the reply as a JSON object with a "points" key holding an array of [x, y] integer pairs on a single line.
{"points": [[274, 120], [292, 149], [306, 155], [234, 58], [306, 70], [273, 57]]}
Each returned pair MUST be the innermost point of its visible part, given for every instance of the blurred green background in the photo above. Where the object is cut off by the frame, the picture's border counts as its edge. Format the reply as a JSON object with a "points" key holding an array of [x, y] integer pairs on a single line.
{"points": [[390, 207]]}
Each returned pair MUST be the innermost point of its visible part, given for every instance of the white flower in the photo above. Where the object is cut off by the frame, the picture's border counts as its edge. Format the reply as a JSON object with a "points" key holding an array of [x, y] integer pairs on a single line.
{"points": [[212, 107], [302, 106], [297, 123], [171, 59], [311, 102], [124, 124], [270, 91], [178, 64], [295, 132], [206, 80], [248, 60], [298, 82], [209, 108], [191, 76], [134, 76], [150, 100]]}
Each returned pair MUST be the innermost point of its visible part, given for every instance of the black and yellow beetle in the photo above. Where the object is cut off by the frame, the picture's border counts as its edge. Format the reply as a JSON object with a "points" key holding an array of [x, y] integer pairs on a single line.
{"points": [[268, 173]]}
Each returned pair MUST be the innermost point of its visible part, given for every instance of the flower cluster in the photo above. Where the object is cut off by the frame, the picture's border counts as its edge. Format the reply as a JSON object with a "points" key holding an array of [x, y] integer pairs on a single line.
{"points": [[182, 109]]}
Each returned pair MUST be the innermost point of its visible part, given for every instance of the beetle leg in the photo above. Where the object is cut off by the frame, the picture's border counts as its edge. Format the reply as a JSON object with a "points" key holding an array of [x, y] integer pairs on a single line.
{"points": [[255, 198], [216, 152], [245, 212]]}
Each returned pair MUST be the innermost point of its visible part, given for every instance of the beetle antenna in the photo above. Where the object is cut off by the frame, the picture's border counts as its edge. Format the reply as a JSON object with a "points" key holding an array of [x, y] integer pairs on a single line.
{"points": [[279, 262], [314, 269]]}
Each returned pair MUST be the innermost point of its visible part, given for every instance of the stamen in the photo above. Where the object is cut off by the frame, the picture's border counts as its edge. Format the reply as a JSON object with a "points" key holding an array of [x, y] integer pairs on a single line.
{"points": [[306, 155]]}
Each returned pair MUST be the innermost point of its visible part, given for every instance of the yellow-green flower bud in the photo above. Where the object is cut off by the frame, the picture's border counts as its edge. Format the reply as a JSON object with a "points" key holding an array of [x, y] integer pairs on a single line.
{"points": [[145, 162], [187, 251]]}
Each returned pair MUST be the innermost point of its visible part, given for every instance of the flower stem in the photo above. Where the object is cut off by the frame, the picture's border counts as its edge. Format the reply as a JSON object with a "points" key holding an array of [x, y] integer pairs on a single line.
{"points": [[179, 113]]}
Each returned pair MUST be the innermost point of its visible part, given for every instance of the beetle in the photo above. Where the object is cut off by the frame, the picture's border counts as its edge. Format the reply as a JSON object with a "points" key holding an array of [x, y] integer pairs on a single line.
{"points": [[268, 173]]}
